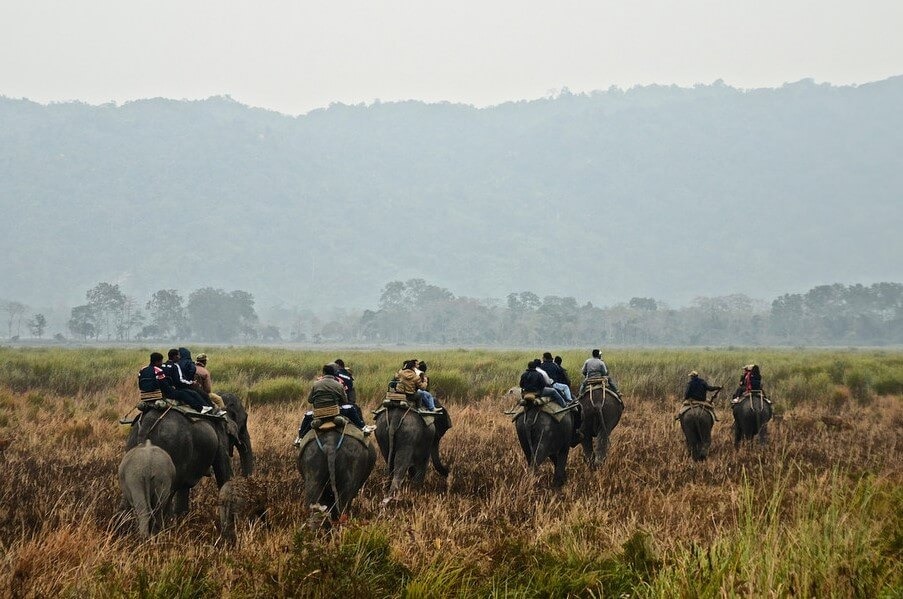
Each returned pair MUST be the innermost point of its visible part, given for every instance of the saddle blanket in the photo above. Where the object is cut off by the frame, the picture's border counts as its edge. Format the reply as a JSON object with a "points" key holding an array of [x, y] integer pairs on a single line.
{"points": [[162, 404], [687, 405], [549, 407], [349, 431]]}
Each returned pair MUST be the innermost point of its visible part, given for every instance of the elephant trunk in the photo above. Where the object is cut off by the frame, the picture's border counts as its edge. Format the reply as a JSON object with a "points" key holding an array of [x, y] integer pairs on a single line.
{"points": [[246, 453]]}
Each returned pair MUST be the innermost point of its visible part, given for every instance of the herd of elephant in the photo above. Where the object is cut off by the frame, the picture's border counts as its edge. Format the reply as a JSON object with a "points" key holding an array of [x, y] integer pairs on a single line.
{"points": [[168, 453]]}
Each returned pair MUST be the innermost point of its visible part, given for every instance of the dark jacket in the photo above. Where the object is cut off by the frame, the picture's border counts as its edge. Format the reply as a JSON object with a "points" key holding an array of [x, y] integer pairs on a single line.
{"points": [[697, 388], [327, 390], [187, 367], [554, 371], [346, 378], [532, 382], [151, 378]]}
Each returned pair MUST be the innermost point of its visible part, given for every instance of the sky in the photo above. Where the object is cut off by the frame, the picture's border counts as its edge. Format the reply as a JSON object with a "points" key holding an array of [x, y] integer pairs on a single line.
{"points": [[298, 55]]}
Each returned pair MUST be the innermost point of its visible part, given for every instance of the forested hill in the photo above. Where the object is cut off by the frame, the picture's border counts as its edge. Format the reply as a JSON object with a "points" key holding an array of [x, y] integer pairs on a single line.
{"points": [[657, 191]]}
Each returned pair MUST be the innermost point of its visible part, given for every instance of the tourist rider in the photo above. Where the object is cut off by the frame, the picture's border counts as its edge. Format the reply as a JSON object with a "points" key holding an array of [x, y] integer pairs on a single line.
{"points": [[697, 388], [344, 375], [595, 367], [564, 371], [425, 396], [751, 380], [203, 384], [556, 373], [408, 381], [153, 378], [326, 391], [534, 381]]}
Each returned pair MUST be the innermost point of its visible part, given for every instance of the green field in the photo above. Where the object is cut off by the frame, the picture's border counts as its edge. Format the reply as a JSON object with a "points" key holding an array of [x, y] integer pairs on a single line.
{"points": [[816, 513]]}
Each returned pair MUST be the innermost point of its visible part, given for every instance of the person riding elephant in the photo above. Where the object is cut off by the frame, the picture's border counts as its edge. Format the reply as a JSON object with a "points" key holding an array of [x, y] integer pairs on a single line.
{"points": [[326, 391], [560, 381], [203, 382], [595, 367], [697, 417], [751, 380], [153, 383], [532, 380]]}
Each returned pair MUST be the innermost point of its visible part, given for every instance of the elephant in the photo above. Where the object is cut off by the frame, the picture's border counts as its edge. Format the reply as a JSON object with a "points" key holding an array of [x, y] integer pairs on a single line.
{"points": [[195, 445], [544, 436], [334, 467], [146, 477], [602, 411], [241, 498], [696, 421], [751, 415], [407, 442]]}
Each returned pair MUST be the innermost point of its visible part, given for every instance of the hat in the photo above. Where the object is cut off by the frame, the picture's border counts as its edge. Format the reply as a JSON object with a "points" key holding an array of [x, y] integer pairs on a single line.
{"points": [[692, 373], [748, 367], [201, 358]]}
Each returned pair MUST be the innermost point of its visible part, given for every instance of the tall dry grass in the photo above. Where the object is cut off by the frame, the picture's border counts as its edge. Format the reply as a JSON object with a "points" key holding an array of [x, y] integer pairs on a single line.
{"points": [[815, 513]]}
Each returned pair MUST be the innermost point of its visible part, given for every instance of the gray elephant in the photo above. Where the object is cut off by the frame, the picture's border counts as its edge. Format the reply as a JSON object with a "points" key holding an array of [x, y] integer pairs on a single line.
{"points": [[196, 445], [602, 410], [334, 466], [545, 432], [146, 477], [751, 415], [696, 422], [408, 440]]}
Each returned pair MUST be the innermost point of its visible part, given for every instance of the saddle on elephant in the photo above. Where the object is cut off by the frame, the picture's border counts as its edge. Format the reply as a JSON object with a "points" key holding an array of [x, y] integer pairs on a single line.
{"points": [[335, 423], [531, 401], [754, 394], [409, 402], [694, 403], [599, 384], [162, 403]]}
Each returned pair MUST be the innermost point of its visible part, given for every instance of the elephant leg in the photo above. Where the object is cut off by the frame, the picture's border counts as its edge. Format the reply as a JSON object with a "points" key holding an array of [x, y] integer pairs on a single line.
{"points": [[180, 501], [587, 443], [738, 434], [560, 477], [600, 446], [763, 434]]}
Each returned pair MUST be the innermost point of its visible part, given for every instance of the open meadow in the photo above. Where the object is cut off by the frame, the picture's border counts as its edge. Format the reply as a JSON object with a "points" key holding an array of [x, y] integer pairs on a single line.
{"points": [[815, 513]]}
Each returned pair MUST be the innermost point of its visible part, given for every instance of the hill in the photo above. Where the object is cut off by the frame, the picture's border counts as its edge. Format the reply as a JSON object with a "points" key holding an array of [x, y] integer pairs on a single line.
{"points": [[656, 191]]}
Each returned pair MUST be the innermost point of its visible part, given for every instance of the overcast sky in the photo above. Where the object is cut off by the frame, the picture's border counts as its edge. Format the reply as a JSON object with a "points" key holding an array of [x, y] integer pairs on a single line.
{"points": [[297, 55]]}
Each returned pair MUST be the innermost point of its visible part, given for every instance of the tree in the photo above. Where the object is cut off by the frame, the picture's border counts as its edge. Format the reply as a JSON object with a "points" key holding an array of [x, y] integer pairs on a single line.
{"points": [[14, 312], [37, 325], [82, 322], [108, 304], [167, 313], [215, 315]]}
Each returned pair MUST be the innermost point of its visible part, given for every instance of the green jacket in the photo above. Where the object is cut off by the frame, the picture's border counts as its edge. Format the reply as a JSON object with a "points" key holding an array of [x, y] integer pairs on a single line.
{"points": [[327, 391]]}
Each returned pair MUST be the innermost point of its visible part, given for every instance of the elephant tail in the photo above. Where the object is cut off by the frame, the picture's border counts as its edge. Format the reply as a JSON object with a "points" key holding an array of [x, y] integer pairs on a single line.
{"points": [[330, 450], [441, 468]]}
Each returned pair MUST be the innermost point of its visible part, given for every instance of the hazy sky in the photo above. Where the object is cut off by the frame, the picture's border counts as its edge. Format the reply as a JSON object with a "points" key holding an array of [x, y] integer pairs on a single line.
{"points": [[296, 55]]}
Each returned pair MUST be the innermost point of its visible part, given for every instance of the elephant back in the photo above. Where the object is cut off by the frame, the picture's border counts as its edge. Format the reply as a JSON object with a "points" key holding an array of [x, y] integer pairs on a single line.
{"points": [[345, 432], [703, 407]]}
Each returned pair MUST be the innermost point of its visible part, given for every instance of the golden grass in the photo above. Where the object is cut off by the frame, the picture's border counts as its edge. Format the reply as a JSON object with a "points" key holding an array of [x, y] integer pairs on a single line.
{"points": [[815, 513]]}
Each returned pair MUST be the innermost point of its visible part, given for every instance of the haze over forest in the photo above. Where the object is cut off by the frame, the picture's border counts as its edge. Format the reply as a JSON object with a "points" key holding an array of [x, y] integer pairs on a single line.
{"points": [[661, 192]]}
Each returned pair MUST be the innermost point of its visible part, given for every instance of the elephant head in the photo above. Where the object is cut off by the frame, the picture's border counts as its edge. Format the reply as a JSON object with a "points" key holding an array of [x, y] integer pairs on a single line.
{"points": [[239, 416]]}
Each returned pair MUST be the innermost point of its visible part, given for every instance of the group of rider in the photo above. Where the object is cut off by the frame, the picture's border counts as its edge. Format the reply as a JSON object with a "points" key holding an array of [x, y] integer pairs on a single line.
{"points": [[697, 387], [181, 379], [188, 381]]}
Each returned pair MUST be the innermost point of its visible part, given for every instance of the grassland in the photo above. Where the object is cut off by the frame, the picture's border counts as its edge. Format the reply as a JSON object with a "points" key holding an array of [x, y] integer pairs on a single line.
{"points": [[816, 513]]}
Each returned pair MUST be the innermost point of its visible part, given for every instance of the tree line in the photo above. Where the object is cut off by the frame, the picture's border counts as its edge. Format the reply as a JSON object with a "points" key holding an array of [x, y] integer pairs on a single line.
{"points": [[415, 311]]}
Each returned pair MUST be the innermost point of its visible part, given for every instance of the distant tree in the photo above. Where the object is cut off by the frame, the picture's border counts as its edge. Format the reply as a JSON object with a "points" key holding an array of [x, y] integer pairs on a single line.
{"points": [[270, 333], [109, 306], [643, 303], [82, 323], [14, 312], [215, 315], [37, 325], [167, 313]]}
